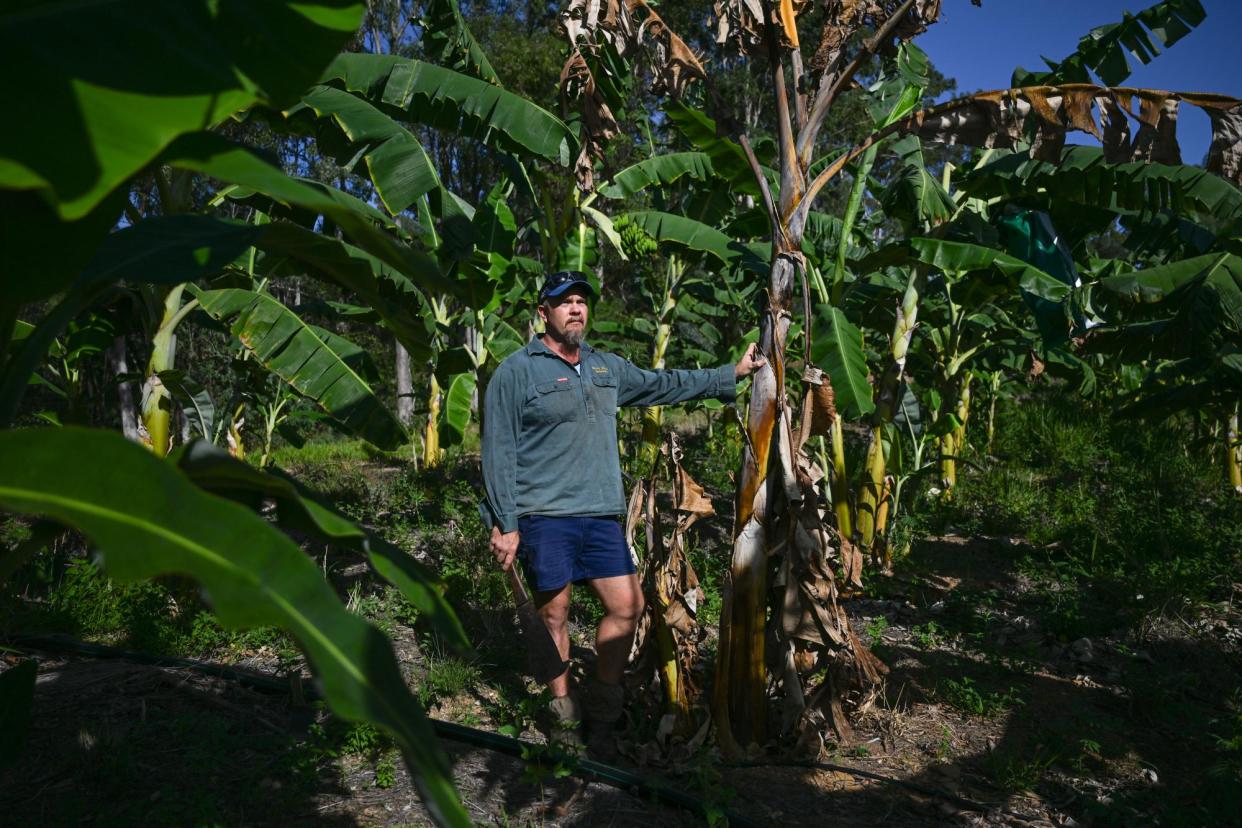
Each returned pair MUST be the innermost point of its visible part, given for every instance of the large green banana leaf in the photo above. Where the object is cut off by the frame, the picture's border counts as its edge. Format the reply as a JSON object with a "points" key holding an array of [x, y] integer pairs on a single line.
{"points": [[176, 249], [954, 257], [914, 195], [694, 238], [214, 156], [1083, 176], [146, 519], [728, 158], [449, 41], [659, 171], [107, 85], [215, 470], [347, 126], [1105, 49], [457, 403], [458, 103], [1156, 284], [289, 348], [837, 347]]}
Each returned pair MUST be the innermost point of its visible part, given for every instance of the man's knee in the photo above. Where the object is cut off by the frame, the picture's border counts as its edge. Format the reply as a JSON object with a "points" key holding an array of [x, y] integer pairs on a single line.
{"points": [[627, 607], [554, 608]]}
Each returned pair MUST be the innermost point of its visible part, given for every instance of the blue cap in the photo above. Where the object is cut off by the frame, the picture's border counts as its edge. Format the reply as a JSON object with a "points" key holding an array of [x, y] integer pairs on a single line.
{"points": [[557, 283]]}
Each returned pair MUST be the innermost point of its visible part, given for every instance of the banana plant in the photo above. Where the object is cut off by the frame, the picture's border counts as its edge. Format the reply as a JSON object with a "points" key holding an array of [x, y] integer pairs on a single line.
{"points": [[1182, 324]]}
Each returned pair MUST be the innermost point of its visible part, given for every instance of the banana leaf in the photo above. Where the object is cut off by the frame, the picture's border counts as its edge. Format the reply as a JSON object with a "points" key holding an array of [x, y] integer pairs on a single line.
{"points": [[291, 349]]}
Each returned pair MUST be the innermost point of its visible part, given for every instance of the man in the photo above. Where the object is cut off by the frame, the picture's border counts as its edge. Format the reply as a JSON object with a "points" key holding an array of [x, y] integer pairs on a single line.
{"points": [[553, 478]]}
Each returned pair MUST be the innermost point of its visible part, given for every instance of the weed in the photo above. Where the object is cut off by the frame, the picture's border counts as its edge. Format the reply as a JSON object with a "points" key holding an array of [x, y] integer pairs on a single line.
{"points": [[1114, 510], [967, 697], [944, 748], [386, 770], [875, 630], [927, 635]]}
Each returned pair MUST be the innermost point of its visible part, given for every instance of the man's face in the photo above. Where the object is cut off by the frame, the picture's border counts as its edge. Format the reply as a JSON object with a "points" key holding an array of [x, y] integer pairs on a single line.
{"points": [[565, 316]]}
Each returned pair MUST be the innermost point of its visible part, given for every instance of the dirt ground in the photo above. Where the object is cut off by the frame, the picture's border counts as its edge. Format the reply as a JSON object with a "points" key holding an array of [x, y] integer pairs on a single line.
{"points": [[986, 719]]}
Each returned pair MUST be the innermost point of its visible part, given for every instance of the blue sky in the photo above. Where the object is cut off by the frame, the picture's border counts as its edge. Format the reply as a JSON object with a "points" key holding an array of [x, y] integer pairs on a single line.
{"points": [[980, 47]]}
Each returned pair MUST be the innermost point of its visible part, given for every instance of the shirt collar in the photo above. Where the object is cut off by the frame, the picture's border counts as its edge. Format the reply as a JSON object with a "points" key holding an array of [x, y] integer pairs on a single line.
{"points": [[537, 346]]}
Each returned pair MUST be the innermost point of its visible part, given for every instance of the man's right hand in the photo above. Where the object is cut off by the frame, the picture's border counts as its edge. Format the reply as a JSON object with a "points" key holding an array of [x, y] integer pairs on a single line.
{"points": [[504, 547]]}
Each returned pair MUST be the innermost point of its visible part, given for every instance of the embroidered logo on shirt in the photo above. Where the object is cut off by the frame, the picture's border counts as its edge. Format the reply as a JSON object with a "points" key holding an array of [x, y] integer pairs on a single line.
{"points": [[599, 369]]}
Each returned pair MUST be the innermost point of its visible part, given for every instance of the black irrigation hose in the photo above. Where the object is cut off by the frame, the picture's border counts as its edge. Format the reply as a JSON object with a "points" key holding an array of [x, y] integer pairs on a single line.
{"points": [[596, 771]]}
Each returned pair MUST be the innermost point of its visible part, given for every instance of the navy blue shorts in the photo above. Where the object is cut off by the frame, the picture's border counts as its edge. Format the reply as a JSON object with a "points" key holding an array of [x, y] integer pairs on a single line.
{"points": [[555, 551]]}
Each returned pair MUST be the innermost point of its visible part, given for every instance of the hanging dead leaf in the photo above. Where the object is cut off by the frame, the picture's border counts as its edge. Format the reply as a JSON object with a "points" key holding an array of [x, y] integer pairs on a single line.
{"points": [[691, 497], [1042, 115], [628, 27]]}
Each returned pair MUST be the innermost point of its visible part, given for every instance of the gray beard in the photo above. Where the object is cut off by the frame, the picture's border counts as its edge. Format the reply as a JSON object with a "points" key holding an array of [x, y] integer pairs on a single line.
{"points": [[573, 337]]}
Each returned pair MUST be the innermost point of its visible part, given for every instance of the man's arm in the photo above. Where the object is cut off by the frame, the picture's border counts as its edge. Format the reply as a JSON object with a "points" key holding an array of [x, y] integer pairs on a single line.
{"points": [[501, 425], [643, 387]]}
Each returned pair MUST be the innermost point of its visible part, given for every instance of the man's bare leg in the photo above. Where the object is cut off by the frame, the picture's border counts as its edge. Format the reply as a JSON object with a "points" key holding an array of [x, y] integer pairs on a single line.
{"points": [[622, 598], [553, 608]]}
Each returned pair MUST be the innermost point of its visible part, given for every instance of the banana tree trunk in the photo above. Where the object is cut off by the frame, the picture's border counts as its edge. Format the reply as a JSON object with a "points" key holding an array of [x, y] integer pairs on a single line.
{"points": [[840, 483], [741, 674], [952, 444], [1233, 453], [994, 392], [653, 416], [156, 400], [876, 464], [431, 435]]}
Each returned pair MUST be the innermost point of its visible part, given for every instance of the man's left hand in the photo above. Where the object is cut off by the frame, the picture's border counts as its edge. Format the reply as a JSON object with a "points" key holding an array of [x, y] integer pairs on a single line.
{"points": [[750, 362]]}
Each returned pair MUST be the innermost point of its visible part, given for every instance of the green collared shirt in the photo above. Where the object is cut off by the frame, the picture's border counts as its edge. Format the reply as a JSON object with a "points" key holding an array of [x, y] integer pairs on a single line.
{"points": [[550, 433]]}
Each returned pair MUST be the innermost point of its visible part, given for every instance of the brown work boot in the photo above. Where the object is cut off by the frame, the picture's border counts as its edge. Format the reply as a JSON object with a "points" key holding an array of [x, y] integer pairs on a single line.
{"points": [[604, 706], [566, 730]]}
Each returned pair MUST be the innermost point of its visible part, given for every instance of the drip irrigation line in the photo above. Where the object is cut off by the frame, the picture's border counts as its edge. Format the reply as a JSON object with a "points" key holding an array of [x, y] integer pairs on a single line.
{"points": [[266, 682]]}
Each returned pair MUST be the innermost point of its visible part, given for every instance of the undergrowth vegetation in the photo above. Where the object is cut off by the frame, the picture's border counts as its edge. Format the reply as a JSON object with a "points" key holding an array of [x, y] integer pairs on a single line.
{"points": [[1116, 520]]}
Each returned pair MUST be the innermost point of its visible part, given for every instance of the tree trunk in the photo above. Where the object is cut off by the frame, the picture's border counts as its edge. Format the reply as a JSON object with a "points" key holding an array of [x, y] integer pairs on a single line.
{"points": [[840, 482], [116, 360], [405, 387]]}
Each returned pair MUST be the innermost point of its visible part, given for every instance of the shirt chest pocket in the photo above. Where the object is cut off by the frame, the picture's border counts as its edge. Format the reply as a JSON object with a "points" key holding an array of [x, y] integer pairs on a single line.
{"points": [[604, 392], [551, 402]]}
